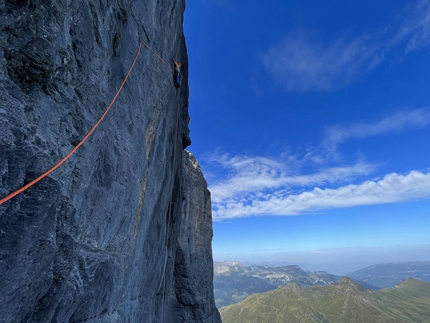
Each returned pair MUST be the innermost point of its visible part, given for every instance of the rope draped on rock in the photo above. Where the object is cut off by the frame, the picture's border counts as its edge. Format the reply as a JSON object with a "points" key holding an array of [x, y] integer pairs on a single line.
{"points": [[53, 168]]}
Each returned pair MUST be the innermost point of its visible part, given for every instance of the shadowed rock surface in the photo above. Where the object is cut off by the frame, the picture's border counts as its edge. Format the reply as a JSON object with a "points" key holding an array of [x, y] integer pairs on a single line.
{"points": [[194, 263], [96, 241]]}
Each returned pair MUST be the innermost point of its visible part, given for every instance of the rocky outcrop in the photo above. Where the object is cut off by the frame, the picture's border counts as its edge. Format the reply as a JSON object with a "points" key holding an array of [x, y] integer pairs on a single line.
{"points": [[99, 239], [193, 263]]}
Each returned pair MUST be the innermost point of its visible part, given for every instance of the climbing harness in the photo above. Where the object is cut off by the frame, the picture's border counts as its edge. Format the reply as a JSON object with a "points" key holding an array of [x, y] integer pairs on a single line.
{"points": [[177, 74], [48, 172]]}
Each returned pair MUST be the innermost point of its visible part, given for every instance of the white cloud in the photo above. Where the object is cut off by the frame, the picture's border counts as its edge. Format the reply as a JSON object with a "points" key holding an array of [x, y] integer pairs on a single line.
{"points": [[304, 64], [415, 29], [398, 122], [390, 189], [256, 186], [254, 177]]}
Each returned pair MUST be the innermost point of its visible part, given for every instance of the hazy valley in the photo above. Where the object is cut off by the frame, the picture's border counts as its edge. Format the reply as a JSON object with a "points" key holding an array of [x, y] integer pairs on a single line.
{"points": [[392, 292], [233, 281], [388, 275]]}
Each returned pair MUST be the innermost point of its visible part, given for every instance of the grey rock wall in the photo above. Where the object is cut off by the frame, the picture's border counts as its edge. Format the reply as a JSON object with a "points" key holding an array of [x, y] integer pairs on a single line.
{"points": [[97, 240], [193, 285]]}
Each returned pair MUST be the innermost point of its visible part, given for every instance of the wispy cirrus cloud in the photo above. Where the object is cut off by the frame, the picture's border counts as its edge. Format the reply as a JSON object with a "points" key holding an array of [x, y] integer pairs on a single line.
{"points": [[256, 176], [392, 188], [258, 185], [396, 123], [415, 28], [304, 63]]}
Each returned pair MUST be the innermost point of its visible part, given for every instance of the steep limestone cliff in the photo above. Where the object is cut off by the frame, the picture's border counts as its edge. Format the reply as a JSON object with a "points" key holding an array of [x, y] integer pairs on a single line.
{"points": [[103, 238], [193, 262]]}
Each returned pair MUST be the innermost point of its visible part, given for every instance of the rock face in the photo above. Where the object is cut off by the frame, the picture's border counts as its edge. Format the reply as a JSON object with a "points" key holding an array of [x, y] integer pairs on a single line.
{"points": [[104, 237], [194, 263]]}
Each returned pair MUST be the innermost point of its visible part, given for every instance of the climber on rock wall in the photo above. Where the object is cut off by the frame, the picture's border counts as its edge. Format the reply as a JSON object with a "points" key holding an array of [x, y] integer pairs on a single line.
{"points": [[177, 73]]}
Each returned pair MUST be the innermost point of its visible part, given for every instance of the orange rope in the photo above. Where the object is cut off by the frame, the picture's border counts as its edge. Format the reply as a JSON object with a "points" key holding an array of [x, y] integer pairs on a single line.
{"points": [[7, 198], [159, 57]]}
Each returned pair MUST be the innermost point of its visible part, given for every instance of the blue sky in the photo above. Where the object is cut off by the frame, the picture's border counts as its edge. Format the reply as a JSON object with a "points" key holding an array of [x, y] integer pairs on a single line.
{"points": [[311, 121]]}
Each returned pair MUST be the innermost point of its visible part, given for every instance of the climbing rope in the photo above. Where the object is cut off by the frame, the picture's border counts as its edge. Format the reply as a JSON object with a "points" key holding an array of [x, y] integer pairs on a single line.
{"points": [[159, 57], [12, 195], [22, 189], [48, 172]]}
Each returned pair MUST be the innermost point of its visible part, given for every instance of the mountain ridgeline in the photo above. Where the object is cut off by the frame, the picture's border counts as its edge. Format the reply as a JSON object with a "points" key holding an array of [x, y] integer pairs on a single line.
{"points": [[343, 301], [233, 281], [121, 231], [388, 275]]}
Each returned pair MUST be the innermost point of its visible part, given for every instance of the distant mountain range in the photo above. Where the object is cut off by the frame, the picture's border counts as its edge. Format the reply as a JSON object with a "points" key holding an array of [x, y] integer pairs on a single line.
{"points": [[233, 281], [343, 301], [388, 275]]}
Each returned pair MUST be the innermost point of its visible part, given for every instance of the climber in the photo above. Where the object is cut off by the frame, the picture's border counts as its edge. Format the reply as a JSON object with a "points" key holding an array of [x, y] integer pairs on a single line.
{"points": [[177, 74]]}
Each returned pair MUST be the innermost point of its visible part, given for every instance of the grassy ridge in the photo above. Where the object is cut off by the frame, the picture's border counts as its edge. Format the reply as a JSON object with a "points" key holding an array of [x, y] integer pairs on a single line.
{"points": [[342, 302], [233, 282]]}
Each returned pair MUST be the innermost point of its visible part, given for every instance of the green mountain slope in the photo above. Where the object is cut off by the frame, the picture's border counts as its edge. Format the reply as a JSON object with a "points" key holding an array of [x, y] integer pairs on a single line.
{"points": [[342, 302], [233, 281]]}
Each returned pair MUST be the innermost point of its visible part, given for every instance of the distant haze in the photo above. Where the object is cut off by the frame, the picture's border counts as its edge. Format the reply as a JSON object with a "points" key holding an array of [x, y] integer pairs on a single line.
{"points": [[340, 261]]}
